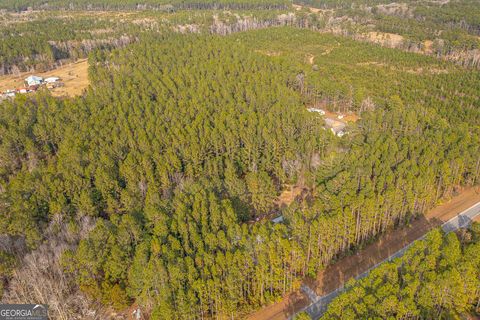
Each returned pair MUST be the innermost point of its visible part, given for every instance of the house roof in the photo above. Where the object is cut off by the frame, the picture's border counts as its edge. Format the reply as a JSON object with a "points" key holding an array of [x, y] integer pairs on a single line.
{"points": [[278, 219], [52, 79], [33, 78]]}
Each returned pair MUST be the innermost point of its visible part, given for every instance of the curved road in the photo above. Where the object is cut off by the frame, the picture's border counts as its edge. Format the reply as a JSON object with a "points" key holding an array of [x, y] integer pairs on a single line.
{"points": [[320, 304]]}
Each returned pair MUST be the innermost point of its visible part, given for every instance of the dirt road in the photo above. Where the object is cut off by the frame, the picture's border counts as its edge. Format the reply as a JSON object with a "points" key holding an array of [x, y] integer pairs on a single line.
{"points": [[337, 274]]}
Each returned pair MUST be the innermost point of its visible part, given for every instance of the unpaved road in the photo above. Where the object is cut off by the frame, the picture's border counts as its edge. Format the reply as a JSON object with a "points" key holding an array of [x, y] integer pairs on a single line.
{"points": [[337, 274]]}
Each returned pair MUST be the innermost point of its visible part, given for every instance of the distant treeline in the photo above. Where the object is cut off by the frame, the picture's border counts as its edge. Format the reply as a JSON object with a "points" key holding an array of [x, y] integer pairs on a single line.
{"points": [[140, 5], [40, 45]]}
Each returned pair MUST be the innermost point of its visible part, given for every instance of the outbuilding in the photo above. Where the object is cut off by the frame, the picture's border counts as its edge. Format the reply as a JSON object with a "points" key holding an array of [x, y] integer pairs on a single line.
{"points": [[51, 79], [278, 219], [320, 111]]}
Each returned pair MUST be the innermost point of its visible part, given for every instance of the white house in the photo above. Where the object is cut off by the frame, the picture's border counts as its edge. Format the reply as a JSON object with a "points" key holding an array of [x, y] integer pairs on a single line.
{"points": [[33, 81], [320, 111]]}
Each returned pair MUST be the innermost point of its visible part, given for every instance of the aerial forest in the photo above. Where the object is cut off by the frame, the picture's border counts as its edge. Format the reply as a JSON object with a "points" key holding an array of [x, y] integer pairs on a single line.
{"points": [[158, 185]]}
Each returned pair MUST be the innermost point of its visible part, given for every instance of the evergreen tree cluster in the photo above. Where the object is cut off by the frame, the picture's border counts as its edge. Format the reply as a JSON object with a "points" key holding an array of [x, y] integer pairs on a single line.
{"points": [[182, 141], [437, 278]]}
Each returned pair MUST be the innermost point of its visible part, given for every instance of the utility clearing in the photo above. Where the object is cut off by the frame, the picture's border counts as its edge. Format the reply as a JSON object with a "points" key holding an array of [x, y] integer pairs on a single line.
{"points": [[336, 275], [74, 77]]}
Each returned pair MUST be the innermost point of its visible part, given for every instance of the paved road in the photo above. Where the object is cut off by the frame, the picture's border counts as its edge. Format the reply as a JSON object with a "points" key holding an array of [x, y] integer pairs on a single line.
{"points": [[320, 304]]}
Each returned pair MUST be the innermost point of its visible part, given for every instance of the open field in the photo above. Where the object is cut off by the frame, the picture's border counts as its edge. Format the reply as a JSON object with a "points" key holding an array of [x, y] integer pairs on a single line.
{"points": [[349, 267], [74, 76]]}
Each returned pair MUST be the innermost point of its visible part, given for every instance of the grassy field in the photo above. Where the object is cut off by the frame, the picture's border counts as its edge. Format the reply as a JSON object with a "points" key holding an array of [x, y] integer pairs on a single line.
{"points": [[74, 76]]}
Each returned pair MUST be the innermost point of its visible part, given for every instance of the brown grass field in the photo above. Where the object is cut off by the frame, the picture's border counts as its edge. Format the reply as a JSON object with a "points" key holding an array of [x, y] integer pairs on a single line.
{"points": [[74, 76]]}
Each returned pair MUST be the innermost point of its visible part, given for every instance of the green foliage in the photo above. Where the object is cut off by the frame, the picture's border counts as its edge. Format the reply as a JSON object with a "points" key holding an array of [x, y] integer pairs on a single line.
{"points": [[7, 265], [178, 142], [183, 140], [44, 40], [435, 279]]}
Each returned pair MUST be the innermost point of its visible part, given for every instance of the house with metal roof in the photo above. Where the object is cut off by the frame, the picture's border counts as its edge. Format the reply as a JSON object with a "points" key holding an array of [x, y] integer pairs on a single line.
{"points": [[33, 81]]}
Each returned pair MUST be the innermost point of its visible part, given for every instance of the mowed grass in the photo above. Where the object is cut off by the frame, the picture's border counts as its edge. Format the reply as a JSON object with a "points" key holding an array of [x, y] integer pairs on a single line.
{"points": [[74, 76]]}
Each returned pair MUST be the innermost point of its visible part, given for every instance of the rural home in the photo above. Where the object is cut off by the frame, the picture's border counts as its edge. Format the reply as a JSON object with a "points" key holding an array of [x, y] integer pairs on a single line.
{"points": [[33, 81]]}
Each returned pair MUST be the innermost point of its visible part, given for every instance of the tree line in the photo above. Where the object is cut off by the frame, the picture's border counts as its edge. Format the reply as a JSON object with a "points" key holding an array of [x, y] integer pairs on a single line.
{"points": [[163, 5]]}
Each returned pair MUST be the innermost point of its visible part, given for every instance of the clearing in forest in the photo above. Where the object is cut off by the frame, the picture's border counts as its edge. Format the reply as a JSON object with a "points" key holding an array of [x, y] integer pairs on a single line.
{"points": [[389, 39], [74, 76], [289, 194]]}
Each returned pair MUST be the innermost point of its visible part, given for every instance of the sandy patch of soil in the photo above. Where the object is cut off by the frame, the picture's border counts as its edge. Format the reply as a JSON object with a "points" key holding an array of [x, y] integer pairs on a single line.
{"points": [[389, 39], [288, 195], [269, 53]]}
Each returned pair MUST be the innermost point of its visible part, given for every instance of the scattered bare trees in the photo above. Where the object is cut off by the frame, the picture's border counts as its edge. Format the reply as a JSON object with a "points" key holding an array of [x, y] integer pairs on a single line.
{"points": [[41, 277]]}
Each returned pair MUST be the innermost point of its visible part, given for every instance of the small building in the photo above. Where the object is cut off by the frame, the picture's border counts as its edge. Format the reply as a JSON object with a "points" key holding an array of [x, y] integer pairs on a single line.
{"points": [[51, 79], [320, 111], [278, 219], [33, 81]]}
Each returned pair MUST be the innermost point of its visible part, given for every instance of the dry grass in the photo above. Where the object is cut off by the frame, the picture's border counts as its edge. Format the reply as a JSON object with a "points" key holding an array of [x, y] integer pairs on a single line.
{"points": [[347, 117], [310, 58], [311, 9], [427, 46], [74, 77], [288, 195], [269, 53], [389, 39]]}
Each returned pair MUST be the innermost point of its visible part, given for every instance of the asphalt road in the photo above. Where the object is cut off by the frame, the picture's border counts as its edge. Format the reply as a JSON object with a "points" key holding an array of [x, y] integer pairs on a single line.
{"points": [[320, 304]]}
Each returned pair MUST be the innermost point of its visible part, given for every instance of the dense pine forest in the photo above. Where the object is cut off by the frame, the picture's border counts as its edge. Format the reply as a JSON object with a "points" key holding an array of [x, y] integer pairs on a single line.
{"points": [[156, 187], [437, 278]]}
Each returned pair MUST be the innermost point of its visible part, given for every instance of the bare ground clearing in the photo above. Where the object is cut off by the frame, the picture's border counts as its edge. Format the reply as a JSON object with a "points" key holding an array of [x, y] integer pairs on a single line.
{"points": [[74, 76]]}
